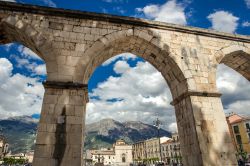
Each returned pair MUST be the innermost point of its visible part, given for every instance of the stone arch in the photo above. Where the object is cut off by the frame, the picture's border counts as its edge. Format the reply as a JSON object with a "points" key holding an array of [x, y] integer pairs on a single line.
{"points": [[18, 29], [236, 57], [143, 43], [15, 28]]}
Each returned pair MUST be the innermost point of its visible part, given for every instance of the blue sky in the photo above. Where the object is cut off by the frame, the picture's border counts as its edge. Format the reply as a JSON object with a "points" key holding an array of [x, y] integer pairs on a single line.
{"points": [[21, 71]]}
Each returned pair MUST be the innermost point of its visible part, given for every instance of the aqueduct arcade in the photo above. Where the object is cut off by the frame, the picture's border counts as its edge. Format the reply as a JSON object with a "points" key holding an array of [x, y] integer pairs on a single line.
{"points": [[74, 43]]}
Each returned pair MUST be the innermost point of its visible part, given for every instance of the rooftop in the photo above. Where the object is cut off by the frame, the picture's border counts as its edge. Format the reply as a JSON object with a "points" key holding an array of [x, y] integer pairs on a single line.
{"points": [[235, 118]]}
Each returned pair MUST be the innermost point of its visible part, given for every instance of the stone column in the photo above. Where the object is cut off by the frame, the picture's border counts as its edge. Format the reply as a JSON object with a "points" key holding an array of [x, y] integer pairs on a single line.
{"points": [[62, 124], [204, 135]]}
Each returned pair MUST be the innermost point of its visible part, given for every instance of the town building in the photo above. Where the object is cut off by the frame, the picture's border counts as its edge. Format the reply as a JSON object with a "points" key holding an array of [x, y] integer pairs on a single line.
{"points": [[119, 155], [4, 146], [148, 151], [239, 128], [105, 156], [29, 156], [170, 149], [139, 152], [123, 153]]}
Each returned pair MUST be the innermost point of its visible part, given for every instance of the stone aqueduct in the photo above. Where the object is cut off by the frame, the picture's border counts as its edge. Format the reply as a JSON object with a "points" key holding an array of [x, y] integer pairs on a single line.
{"points": [[74, 43]]}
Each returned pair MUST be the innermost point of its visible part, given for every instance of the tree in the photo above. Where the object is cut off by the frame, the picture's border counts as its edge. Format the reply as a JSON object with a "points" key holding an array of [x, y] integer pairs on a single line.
{"points": [[242, 154]]}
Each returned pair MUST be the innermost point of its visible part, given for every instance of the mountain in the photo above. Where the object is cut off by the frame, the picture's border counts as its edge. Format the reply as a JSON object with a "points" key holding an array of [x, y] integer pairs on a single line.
{"points": [[105, 132], [20, 132]]}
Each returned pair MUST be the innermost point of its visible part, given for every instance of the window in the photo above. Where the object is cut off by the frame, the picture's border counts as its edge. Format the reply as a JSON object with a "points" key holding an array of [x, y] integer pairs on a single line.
{"points": [[123, 158], [248, 130], [248, 127], [236, 129], [109, 157], [238, 138]]}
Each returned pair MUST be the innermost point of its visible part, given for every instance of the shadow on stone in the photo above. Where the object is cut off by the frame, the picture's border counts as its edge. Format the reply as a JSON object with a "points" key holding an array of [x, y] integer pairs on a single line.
{"points": [[60, 135]]}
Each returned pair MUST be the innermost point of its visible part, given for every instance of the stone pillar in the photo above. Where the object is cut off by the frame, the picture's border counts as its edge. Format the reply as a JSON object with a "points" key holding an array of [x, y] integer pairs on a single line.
{"points": [[204, 135], [62, 124]]}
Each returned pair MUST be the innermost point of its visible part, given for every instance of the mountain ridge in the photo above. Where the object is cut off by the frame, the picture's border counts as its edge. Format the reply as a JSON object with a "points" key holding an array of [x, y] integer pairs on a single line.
{"points": [[21, 132]]}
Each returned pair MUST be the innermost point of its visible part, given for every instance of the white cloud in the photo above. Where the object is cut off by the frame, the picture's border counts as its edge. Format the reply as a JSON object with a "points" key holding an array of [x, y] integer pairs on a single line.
{"points": [[49, 3], [246, 24], [223, 21], [27, 53], [240, 107], [6, 68], [172, 127], [40, 69], [170, 12], [119, 9], [33, 67], [140, 94], [29, 60], [19, 95], [235, 89], [7, 47], [121, 67], [124, 56], [247, 3]]}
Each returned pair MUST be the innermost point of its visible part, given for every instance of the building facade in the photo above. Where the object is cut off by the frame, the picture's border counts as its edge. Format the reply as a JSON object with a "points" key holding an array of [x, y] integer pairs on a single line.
{"points": [[139, 151], [148, 151], [239, 128], [123, 153], [119, 155], [170, 149], [105, 156], [4, 146]]}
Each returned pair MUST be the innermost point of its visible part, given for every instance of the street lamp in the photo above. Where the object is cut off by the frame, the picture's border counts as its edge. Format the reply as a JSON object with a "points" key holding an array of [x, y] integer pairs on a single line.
{"points": [[157, 124]]}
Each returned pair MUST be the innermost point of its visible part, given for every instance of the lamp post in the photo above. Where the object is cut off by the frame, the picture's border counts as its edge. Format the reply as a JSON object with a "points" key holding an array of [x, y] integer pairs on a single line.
{"points": [[157, 124]]}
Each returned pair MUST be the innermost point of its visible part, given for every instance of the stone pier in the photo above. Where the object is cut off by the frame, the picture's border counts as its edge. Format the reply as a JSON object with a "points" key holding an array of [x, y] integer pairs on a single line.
{"points": [[61, 126]]}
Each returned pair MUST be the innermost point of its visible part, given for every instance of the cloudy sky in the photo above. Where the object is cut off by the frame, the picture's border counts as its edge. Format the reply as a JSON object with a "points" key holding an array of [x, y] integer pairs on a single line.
{"points": [[126, 87]]}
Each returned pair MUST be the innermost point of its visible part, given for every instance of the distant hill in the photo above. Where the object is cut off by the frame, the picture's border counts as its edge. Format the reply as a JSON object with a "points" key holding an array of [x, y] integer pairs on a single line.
{"points": [[105, 132], [20, 132]]}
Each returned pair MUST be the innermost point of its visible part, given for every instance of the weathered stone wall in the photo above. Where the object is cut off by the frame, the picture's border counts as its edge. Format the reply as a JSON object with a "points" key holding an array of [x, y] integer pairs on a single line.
{"points": [[74, 43], [61, 126]]}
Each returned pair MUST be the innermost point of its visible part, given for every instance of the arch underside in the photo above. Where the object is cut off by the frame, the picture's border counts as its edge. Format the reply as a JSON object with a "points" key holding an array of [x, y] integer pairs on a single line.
{"points": [[240, 62], [159, 58], [22, 33]]}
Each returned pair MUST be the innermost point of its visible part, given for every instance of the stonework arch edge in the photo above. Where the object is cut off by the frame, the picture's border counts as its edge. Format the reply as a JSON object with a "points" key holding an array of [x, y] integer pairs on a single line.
{"points": [[17, 29], [229, 50], [236, 57], [84, 68]]}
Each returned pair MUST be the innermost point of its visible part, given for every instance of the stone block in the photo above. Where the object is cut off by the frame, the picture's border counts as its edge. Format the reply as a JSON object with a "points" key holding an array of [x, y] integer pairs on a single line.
{"points": [[74, 120], [68, 27], [50, 99], [78, 29], [56, 26]]}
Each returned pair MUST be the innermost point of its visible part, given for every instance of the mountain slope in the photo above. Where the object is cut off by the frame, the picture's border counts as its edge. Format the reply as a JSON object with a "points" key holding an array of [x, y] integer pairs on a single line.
{"points": [[20, 132], [105, 132]]}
